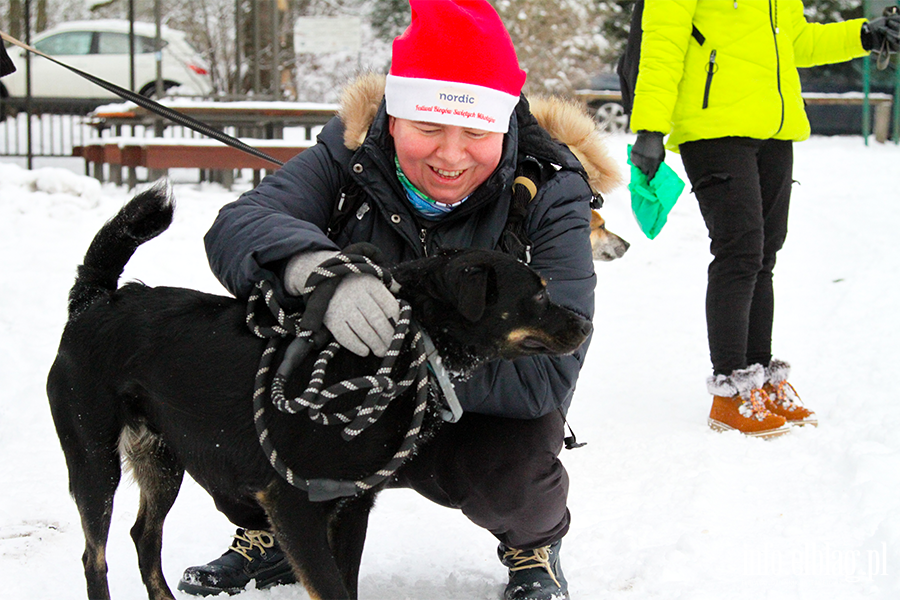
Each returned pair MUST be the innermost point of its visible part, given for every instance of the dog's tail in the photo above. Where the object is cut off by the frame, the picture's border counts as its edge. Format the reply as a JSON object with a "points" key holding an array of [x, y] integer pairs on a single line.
{"points": [[146, 216]]}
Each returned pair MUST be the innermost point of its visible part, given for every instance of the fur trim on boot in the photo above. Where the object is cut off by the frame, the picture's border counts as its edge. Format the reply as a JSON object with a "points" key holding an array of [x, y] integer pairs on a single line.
{"points": [[777, 371], [740, 382], [739, 404], [783, 400]]}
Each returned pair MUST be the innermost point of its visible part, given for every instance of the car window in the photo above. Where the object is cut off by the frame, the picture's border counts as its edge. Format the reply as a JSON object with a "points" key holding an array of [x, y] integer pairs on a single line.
{"points": [[68, 43], [117, 43], [147, 44]]}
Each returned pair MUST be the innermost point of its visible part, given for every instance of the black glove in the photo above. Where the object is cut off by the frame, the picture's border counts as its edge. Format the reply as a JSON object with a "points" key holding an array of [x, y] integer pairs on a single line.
{"points": [[881, 34], [648, 152]]}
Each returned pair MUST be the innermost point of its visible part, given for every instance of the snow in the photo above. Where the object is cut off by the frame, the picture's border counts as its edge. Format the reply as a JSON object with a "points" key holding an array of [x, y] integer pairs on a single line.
{"points": [[662, 506]]}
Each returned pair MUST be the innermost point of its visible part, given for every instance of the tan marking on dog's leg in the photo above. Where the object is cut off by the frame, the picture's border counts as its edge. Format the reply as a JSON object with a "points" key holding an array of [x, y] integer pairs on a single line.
{"points": [[262, 497]]}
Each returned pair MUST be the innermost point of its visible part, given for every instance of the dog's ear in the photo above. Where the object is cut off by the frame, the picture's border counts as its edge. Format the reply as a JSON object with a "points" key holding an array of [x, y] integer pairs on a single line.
{"points": [[471, 291]]}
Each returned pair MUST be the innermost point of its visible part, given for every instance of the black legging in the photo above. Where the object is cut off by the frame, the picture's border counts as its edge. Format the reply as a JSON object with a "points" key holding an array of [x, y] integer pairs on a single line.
{"points": [[743, 187]]}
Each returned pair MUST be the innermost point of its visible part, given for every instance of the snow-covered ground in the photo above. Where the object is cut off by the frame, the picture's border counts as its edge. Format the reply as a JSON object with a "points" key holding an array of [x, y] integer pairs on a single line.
{"points": [[662, 506]]}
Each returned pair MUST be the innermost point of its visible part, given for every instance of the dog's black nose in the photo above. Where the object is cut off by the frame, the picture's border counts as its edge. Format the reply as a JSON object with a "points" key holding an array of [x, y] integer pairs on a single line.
{"points": [[586, 328]]}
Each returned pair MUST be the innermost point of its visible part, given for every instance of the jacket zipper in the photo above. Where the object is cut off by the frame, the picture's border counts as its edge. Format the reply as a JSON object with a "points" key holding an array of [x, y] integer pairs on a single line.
{"points": [[773, 22], [710, 69], [422, 234]]}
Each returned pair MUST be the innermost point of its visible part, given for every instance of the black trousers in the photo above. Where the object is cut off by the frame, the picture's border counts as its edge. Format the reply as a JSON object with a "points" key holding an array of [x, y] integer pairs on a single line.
{"points": [[503, 474], [743, 187]]}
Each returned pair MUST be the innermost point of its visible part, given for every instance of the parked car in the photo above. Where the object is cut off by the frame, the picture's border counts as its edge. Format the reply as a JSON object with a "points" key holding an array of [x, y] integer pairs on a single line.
{"points": [[609, 113], [101, 48]]}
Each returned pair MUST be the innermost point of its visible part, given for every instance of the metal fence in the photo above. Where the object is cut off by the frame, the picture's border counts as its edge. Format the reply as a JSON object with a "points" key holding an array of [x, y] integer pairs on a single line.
{"points": [[53, 129]]}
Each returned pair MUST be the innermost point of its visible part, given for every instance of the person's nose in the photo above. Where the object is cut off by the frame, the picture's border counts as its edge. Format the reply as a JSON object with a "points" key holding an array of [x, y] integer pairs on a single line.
{"points": [[452, 149]]}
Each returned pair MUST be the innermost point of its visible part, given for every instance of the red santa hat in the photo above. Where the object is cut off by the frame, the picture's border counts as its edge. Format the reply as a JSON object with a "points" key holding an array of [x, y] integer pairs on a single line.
{"points": [[454, 65]]}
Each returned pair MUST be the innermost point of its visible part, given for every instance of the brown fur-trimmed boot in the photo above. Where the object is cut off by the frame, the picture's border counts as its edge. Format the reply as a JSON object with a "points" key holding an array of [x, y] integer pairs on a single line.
{"points": [[739, 403], [783, 399]]}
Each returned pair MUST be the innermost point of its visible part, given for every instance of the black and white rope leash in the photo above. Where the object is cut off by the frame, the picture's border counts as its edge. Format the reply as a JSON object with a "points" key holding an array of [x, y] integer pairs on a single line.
{"points": [[308, 332]]}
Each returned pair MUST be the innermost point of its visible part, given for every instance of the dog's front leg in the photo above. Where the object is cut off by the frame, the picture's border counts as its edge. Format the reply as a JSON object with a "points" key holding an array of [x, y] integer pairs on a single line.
{"points": [[347, 536], [301, 527]]}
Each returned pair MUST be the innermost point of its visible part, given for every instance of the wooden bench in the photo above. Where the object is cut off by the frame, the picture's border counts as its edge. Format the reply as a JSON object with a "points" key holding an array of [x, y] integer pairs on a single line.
{"points": [[881, 104], [258, 119], [158, 155]]}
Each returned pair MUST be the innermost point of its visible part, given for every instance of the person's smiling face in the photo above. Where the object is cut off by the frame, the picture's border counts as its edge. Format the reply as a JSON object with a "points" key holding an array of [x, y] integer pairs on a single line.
{"points": [[446, 162]]}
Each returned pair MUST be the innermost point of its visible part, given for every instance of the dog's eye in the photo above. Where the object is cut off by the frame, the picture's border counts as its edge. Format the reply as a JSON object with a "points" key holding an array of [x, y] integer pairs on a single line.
{"points": [[541, 297]]}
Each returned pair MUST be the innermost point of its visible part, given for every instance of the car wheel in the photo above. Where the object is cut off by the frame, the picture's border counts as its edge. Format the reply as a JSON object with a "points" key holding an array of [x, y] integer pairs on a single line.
{"points": [[611, 117]]}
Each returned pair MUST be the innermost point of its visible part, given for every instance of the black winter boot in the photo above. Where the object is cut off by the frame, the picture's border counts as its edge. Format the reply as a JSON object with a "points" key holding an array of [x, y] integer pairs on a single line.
{"points": [[253, 554], [534, 574]]}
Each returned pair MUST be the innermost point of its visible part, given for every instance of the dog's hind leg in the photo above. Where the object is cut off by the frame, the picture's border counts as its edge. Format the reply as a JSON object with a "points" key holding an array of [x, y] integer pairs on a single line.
{"points": [[347, 537], [93, 479], [94, 472], [158, 474], [301, 527]]}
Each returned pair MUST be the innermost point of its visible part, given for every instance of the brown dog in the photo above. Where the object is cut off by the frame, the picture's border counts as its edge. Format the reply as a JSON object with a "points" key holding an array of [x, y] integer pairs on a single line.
{"points": [[605, 244]]}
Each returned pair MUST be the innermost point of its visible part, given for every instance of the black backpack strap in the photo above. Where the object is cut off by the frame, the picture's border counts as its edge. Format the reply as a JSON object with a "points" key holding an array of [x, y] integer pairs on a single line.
{"points": [[629, 61], [530, 175], [701, 39]]}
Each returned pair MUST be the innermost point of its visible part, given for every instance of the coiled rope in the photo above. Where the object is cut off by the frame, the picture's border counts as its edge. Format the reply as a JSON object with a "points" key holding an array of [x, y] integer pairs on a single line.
{"points": [[308, 332]]}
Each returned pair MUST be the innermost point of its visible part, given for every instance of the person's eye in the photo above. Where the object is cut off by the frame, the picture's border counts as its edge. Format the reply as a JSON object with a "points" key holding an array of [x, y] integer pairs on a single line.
{"points": [[426, 128]]}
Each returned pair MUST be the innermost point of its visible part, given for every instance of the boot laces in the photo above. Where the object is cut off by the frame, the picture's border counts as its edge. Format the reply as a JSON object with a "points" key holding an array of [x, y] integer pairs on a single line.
{"points": [[519, 560], [790, 401], [245, 541], [755, 406]]}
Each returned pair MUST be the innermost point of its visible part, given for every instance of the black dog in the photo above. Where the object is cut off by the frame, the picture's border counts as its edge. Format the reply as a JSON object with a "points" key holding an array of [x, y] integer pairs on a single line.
{"points": [[166, 377]]}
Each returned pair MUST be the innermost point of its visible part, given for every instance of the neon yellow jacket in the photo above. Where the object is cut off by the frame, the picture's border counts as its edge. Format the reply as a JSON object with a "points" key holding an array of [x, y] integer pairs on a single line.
{"points": [[742, 80]]}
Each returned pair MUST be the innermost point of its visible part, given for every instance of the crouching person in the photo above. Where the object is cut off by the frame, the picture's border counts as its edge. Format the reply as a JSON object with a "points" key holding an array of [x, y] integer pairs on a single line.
{"points": [[430, 154]]}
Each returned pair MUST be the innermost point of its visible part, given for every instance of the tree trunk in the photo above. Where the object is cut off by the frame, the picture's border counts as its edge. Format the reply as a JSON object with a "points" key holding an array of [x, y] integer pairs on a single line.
{"points": [[41, 20], [16, 19]]}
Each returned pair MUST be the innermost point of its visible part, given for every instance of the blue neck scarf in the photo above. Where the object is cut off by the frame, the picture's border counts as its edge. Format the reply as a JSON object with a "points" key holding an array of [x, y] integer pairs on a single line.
{"points": [[425, 206]]}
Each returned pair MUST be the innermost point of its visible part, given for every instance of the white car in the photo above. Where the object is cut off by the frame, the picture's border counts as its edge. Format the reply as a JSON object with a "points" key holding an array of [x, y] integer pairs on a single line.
{"points": [[101, 48]]}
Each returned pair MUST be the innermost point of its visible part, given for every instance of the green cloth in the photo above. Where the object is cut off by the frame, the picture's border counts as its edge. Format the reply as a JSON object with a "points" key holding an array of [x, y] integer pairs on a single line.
{"points": [[652, 200]]}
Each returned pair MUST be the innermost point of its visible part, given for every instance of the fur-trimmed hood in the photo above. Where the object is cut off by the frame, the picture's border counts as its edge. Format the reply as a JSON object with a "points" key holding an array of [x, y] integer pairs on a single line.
{"points": [[564, 120]]}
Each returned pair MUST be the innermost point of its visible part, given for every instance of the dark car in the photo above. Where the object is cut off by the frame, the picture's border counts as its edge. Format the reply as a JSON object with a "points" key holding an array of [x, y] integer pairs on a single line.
{"points": [[606, 109]]}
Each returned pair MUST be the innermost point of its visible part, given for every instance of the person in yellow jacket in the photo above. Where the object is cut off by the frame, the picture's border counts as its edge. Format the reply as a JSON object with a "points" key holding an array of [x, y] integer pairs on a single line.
{"points": [[720, 79]]}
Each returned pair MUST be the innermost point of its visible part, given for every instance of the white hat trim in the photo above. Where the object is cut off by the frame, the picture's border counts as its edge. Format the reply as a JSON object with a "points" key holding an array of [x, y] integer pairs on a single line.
{"points": [[449, 103]]}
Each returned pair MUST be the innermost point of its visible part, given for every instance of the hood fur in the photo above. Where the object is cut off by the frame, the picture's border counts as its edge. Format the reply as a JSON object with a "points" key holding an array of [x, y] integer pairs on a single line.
{"points": [[566, 121]]}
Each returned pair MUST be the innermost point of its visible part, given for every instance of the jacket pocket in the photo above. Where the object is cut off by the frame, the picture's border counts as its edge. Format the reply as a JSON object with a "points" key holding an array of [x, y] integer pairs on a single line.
{"points": [[711, 68]]}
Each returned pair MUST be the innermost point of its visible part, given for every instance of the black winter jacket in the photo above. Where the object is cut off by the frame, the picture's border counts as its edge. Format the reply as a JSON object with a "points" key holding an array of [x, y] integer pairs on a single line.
{"points": [[289, 211]]}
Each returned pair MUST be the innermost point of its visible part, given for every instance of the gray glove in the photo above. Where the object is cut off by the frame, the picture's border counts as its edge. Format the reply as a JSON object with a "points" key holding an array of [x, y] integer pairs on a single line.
{"points": [[648, 152], [881, 34], [360, 312]]}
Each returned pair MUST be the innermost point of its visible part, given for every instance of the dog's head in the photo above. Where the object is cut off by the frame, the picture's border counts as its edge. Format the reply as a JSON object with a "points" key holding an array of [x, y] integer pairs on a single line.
{"points": [[605, 244], [478, 305]]}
